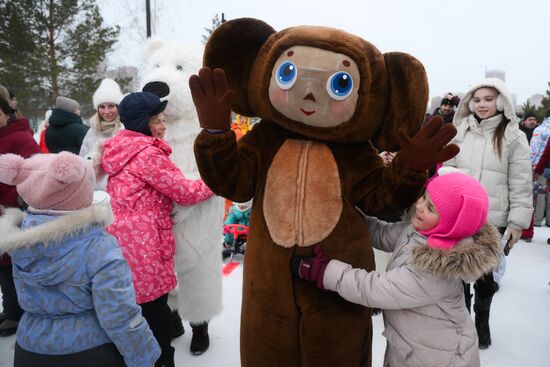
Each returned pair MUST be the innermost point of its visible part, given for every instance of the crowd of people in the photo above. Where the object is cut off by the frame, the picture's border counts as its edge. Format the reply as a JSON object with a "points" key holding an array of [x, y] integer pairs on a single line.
{"points": [[102, 265]]}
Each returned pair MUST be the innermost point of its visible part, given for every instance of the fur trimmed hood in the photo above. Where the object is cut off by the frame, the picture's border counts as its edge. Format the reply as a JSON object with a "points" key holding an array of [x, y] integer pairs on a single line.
{"points": [[467, 260], [63, 226], [463, 112]]}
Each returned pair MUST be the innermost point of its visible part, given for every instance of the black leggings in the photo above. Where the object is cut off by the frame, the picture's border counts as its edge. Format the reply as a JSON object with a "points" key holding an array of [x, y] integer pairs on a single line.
{"points": [[159, 317], [105, 355], [9, 294]]}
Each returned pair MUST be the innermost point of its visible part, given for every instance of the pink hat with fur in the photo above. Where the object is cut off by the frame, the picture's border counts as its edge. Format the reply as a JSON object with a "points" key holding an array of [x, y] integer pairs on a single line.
{"points": [[462, 204], [61, 181]]}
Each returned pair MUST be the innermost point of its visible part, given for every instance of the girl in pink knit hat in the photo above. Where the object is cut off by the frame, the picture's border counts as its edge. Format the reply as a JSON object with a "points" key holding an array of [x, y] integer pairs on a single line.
{"points": [[447, 240], [72, 281]]}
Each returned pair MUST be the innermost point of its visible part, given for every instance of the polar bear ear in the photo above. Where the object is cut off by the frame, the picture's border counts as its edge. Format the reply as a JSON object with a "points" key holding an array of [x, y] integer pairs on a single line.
{"points": [[234, 46], [153, 45]]}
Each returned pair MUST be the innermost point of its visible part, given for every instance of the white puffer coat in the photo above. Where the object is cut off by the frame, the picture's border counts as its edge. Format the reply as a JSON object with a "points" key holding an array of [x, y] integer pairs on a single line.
{"points": [[507, 179]]}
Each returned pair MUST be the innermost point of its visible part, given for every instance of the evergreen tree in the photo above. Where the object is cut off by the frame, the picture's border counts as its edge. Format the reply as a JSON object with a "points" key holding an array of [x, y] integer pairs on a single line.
{"points": [[216, 22], [545, 103], [527, 107], [50, 48]]}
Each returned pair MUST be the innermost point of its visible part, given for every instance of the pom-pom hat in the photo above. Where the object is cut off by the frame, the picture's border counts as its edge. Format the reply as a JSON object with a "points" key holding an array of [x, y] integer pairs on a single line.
{"points": [[61, 181], [107, 92], [462, 204]]}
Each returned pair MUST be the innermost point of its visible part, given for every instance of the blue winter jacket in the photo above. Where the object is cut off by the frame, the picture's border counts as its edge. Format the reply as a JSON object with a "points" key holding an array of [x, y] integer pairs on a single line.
{"points": [[540, 137], [74, 285]]}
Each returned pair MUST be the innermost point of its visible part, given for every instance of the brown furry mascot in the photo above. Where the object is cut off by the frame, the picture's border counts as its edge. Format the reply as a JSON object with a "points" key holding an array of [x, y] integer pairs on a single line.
{"points": [[323, 95]]}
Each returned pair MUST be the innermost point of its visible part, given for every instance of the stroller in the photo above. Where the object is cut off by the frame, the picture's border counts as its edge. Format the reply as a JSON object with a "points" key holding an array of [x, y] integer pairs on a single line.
{"points": [[240, 234]]}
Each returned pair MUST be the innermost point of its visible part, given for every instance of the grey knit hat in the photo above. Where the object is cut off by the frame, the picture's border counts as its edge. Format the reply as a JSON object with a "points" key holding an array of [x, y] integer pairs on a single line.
{"points": [[66, 104]]}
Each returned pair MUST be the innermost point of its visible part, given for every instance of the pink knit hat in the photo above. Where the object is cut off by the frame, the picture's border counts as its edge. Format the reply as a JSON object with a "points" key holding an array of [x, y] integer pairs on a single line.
{"points": [[61, 181], [462, 204]]}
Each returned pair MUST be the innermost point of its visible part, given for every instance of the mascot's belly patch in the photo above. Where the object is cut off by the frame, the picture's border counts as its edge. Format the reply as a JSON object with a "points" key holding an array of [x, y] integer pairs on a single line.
{"points": [[303, 200]]}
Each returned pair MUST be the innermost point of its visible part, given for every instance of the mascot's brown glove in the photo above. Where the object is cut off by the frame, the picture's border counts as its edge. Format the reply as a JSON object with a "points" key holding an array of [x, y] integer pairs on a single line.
{"points": [[212, 98], [428, 146]]}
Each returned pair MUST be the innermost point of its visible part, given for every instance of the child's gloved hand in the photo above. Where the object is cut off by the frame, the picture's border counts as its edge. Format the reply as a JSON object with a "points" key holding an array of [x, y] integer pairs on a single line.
{"points": [[311, 268], [428, 146], [514, 235], [212, 98]]}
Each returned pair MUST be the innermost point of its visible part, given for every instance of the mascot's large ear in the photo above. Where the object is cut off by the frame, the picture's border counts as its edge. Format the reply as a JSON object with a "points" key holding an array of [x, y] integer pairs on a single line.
{"points": [[153, 45], [408, 99], [233, 46]]}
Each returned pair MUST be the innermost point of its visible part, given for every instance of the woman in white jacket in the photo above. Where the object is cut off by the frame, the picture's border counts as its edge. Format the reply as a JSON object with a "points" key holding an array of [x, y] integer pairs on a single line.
{"points": [[104, 123], [495, 151]]}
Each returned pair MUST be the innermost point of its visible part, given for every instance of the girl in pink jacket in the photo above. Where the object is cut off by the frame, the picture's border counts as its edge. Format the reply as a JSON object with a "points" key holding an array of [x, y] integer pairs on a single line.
{"points": [[143, 184]]}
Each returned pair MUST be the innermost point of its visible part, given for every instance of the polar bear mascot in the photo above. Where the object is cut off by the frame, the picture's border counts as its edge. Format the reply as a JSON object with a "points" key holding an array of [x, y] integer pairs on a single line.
{"points": [[198, 228]]}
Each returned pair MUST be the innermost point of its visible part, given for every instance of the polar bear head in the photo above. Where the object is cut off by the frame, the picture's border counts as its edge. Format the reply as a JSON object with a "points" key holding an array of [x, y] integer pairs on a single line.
{"points": [[169, 66]]}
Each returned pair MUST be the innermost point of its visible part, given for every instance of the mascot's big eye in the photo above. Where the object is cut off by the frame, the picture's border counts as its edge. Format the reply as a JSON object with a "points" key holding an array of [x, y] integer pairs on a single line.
{"points": [[340, 85], [157, 65], [286, 75], [179, 67]]}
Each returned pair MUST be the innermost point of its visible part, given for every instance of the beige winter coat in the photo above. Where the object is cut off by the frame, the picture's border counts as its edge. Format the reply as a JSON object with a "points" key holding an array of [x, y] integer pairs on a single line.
{"points": [[421, 294], [507, 179]]}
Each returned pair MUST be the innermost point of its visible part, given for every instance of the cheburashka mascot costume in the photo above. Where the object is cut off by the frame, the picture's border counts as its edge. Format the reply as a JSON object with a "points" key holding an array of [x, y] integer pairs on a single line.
{"points": [[323, 96]]}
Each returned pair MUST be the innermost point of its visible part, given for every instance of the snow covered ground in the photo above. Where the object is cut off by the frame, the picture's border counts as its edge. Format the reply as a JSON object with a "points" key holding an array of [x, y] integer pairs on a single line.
{"points": [[520, 320]]}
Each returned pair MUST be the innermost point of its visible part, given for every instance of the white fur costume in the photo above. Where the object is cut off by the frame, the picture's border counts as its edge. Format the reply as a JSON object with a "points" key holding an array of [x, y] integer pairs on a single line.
{"points": [[198, 229]]}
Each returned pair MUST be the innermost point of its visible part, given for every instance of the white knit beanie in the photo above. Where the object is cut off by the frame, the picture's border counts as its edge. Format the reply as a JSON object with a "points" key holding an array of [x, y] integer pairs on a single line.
{"points": [[107, 92]]}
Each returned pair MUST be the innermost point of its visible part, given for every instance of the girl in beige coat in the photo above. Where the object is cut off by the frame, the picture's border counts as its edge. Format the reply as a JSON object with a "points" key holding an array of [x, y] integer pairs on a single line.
{"points": [[495, 151], [447, 241]]}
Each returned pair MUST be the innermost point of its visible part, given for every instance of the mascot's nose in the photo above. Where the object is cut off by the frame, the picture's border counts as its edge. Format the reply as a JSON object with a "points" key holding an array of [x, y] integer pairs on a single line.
{"points": [[161, 89], [310, 97]]}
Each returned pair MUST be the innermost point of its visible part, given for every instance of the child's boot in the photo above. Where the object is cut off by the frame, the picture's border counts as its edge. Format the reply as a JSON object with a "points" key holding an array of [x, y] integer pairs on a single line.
{"points": [[482, 308], [8, 327], [200, 340]]}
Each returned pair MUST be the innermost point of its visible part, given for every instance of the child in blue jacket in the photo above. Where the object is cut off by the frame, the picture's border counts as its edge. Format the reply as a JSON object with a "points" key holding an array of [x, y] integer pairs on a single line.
{"points": [[239, 214], [72, 281]]}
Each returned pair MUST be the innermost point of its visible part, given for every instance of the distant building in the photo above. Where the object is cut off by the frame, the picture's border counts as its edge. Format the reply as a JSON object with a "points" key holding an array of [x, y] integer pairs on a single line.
{"points": [[514, 98], [535, 100], [494, 73]]}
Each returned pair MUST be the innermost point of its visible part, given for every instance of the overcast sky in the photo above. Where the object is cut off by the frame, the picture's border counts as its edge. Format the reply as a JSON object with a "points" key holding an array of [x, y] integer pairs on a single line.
{"points": [[455, 40]]}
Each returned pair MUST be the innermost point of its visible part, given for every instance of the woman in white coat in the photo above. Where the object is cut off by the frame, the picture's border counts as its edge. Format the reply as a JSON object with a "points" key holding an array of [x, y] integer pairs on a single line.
{"points": [[496, 152], [104, 123]]}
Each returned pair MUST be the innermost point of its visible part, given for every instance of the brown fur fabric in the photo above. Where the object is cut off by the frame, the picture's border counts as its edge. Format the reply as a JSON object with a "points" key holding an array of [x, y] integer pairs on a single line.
{"points": [[307, 181], [391, 95], [312, 166], [234, 49], [467, 260], [408, 86]]}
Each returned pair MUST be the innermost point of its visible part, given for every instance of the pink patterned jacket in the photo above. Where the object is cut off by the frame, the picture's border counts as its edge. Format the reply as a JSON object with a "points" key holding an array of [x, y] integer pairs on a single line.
{"points": [[143, 184]]}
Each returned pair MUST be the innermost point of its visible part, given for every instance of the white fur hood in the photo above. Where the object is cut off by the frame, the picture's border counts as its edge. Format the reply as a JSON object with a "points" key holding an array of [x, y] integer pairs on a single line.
{"points": [[63, 226], [463, 111]]}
